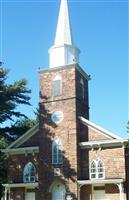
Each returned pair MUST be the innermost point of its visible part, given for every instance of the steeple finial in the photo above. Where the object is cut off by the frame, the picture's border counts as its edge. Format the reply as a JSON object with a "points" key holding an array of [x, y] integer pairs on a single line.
{"points": [[63, 52], [63, 31]]}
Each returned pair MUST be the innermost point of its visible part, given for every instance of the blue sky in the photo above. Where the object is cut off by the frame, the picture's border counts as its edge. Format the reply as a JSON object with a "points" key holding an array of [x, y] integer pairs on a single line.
{"points": [[100, 30]]}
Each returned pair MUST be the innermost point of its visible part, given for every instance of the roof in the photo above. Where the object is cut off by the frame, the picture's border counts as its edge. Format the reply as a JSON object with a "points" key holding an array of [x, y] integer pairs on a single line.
{"points": [[24, 137], [98, 128], [114, 139], [63, 31]]}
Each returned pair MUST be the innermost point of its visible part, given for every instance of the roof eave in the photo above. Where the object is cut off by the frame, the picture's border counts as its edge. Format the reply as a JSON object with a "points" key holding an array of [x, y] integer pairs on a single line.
{"points": [[98, 128], [24, 137]]}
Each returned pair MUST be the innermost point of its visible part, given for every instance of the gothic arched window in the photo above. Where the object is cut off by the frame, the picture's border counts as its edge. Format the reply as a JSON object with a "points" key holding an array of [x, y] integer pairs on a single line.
{"points": [[97, 169], [57, 86], [93, 170], [57, 152], [82, 88], [29, 174]]}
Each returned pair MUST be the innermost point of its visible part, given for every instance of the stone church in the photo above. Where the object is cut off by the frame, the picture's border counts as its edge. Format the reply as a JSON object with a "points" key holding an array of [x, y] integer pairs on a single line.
{"points": [[66, 156]]}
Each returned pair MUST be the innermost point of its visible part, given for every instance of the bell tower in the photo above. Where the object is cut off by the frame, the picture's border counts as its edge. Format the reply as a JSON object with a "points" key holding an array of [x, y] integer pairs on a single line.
{"points": [[63, 98]]}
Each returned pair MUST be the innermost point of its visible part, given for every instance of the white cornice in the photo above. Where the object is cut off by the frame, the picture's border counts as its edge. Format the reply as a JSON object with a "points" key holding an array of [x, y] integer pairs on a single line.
{"points": [[24, 137], [100, 181], [26, 185], [104, 143], [25, 150], [69, 66], [98, 128]]}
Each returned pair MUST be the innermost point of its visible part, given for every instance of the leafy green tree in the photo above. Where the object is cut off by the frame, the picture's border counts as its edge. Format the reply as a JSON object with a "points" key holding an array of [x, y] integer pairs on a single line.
{"points": [[3, 164], [18, 128], [11, 96]]}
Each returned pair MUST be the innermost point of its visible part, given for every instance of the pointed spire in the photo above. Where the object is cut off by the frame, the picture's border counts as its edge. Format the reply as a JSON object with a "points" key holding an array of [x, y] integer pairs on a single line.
{"points": [[63, 31], [63, 51]]}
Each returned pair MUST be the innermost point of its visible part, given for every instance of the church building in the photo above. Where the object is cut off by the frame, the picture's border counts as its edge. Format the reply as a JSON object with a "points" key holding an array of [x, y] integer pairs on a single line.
{"points": [[66, 156]]}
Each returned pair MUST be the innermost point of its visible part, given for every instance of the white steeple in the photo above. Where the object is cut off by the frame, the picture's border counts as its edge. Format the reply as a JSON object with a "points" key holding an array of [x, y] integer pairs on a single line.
{"points": [[63, 51], [63, 32]]}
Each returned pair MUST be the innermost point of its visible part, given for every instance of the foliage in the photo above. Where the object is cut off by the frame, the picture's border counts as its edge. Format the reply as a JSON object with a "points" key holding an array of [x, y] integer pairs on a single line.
{"points": [[12, 95], [3, 164], [17, 129]]}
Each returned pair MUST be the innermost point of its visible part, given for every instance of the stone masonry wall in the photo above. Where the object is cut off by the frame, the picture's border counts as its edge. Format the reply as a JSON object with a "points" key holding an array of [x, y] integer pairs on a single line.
{"points": [[95, 135], [113, 160], [16, 164], [72, 106], [65, 131]]}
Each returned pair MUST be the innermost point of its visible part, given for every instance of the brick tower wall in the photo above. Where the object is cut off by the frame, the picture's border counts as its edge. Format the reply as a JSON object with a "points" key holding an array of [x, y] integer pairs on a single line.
{"points": [[68, 102]]}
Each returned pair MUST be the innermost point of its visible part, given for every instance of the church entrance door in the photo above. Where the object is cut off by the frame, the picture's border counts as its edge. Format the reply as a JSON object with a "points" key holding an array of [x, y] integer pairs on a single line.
{"points": [[58, 192], [30, 196], [99, 195]]}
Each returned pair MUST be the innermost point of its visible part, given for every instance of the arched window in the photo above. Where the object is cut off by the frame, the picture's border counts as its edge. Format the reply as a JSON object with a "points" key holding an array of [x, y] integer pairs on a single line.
{"points": [[57, 152], [57, 86], [97, 169], [29, 174], [93, 169], [100, 169], [82, 88]]}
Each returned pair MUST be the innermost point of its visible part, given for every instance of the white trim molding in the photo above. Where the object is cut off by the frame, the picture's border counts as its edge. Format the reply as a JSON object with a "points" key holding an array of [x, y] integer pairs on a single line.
{"points": [[118, 182], [103, 144], [100, 181], [24, 150], [26, 185], [98, 128], [76, 66], [97, 169], [24, 137]]}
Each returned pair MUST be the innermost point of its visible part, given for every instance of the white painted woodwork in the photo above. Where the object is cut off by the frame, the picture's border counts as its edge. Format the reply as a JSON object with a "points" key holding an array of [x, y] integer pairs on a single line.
{"points": [[99, 195], [63, 52], [58, 192], [30, 196]]}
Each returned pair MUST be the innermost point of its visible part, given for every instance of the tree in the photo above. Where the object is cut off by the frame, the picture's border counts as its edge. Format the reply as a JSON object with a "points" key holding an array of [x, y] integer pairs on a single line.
{"points": [[3, 165], [18, 128], [11, 95]]}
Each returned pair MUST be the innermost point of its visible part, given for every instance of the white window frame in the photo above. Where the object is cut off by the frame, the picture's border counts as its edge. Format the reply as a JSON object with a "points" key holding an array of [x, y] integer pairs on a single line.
{"points": [[57, 157], [96, 174], [57, 78], [27, 169]]}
